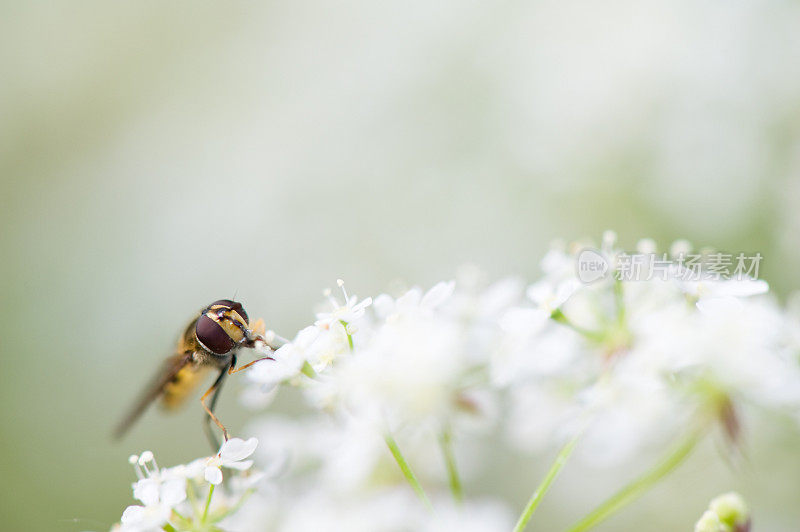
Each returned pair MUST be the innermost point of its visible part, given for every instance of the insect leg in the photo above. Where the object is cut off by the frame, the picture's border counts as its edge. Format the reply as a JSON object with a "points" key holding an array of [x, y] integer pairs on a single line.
{"points": [[231, 371], [215, 389]]}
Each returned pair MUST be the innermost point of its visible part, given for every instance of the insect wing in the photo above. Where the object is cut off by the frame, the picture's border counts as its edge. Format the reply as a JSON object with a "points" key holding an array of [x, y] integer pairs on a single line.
{"points": [[169, 370]]}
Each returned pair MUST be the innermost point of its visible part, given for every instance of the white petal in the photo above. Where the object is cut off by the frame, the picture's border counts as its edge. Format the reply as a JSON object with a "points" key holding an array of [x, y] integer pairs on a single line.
{"points": [[438, 294], [304, 337], [241, 466], [539, 292], [173, 492], [564, 291], [145, 519], [363, 305], [146, 490], [744, 288], [519, 320], [383, 305], [194, 469], [716, 306], [408, 300], [213, 475], [278, 463], [132, 515], [237, 449]]}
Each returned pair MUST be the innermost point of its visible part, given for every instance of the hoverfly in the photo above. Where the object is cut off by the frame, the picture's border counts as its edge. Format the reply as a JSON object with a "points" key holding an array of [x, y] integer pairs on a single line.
{"points": [[210, 341]]}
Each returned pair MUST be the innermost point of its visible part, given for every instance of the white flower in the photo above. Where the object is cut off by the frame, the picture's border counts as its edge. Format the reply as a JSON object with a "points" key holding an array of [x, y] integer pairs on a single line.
{"points": [[628, 364], [170, 491], [288, 360], [539, 416], [620, 358], [147, 518], [348, 312], [412, 367], [711, 288], [319, 346], [414, 301], [232, 454], [549, 296], [323, 348], [532, 346], [407, 372], [154, 484], [646, 246], [437, 295], [343, 451], [744, 344], [486, 306], [558, 264], [160, 490]]}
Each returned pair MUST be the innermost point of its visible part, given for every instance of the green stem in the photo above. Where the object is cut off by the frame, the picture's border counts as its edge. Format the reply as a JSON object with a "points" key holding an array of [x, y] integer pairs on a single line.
{"points": [[182, 521], [561, 318], [406, 469], [168, 527], [541, 490], [639, 485], [308, 371], [208, 503], [349, 336], [235, 508], [446, 442], [619, 299], [192, 496]]}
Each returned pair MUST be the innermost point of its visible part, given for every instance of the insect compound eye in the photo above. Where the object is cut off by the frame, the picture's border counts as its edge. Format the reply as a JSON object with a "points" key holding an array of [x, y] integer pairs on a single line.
{"points": [[212, 335], [233, 305]]}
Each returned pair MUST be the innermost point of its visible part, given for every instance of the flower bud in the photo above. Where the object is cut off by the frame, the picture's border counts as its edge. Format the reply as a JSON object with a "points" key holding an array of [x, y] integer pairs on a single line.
{"points": [[709, 522], [731, 510]]}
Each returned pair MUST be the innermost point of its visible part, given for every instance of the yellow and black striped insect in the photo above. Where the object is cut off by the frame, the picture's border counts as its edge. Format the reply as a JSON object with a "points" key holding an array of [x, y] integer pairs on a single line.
{"points": [[209, 342]]}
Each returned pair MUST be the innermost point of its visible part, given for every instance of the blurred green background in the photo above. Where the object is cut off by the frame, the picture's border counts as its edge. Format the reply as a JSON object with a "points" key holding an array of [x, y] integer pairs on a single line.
{"points": [[157, 156]]}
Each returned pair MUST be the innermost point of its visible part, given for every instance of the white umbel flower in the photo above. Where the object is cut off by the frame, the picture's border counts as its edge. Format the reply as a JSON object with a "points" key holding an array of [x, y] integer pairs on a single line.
{"points": [[549, 296], [711, 288], [159, 490], [232, 454], [348, 312], [147, 518]]}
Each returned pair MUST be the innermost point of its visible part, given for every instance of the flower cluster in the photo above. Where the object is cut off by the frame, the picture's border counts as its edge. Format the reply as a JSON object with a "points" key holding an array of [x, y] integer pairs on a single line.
{"points": [[726, 513], [419, 387], [169, 495]]}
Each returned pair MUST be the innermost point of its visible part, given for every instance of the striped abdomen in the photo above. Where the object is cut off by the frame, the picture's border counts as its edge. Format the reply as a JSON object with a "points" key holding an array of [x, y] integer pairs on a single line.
{"points": [[182, 384]]}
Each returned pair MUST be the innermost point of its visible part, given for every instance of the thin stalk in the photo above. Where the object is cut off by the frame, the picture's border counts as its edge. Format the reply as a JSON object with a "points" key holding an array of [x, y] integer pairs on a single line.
{"points": [[182, 521], [542, 488], [446, 442], [561, 318], [208, 503], [308, 371], [235, 508], [619, 300], [407, 472], [192, 496], [349, 336], [639, 485]]}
